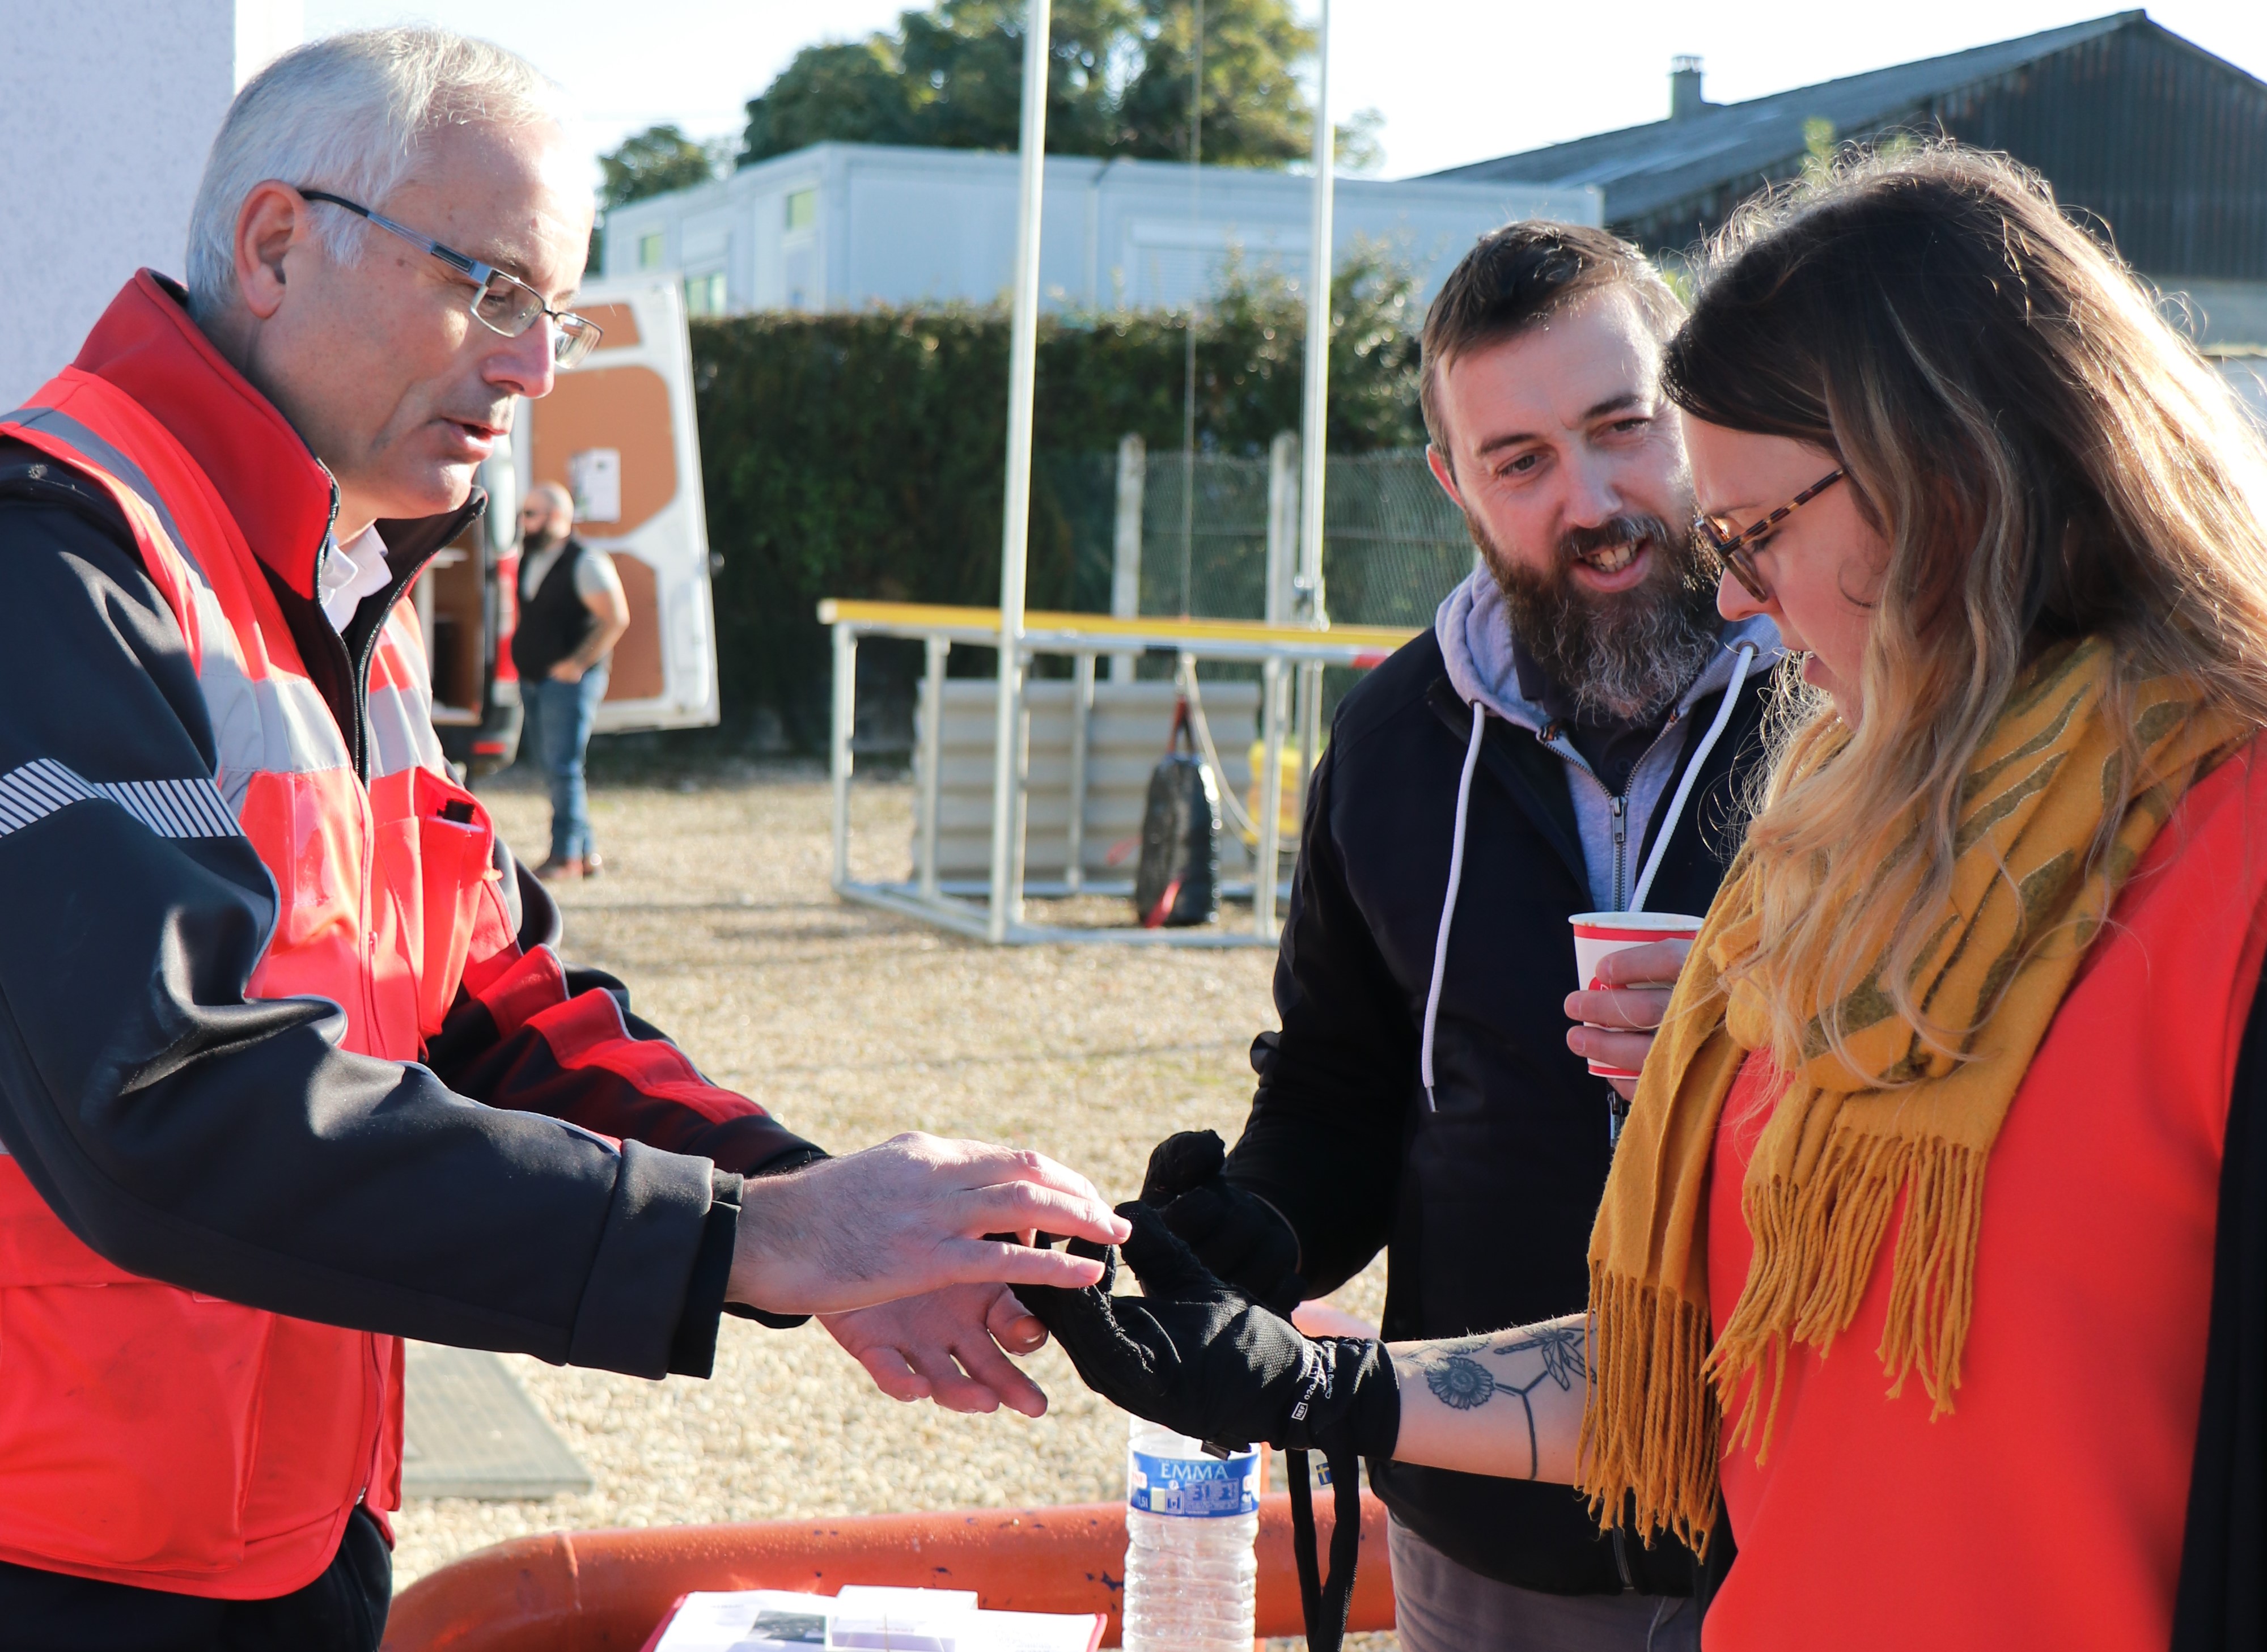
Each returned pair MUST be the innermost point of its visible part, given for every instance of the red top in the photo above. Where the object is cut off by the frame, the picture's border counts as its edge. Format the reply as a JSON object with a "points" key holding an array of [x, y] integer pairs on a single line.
{"points": [[2047, 1509]]}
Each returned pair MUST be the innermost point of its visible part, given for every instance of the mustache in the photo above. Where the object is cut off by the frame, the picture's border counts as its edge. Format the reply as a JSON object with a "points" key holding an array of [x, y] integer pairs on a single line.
{"points": [[1576, 543]]}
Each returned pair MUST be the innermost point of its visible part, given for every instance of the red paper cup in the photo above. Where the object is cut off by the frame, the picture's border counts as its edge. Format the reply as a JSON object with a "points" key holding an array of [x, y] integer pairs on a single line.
{"points": [[1598, 934]]}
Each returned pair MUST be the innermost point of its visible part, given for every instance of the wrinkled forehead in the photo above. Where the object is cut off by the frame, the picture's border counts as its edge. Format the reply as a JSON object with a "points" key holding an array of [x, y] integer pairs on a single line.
{"points": [[514, 196]]}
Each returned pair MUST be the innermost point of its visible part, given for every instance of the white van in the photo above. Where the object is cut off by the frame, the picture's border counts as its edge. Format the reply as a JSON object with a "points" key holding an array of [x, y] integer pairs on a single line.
{"points": [[619, 433]]}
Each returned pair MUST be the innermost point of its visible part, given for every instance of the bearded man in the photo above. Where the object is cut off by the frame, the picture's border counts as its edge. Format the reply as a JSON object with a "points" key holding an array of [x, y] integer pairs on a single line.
{"points": [[1502, 773]]}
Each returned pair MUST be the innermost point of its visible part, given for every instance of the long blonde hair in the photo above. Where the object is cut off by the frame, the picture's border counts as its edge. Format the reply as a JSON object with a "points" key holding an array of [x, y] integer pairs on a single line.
{"points": [[2046, 458]]}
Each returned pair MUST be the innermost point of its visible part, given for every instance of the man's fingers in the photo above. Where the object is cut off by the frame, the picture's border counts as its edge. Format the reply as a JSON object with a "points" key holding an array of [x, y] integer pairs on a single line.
{"points": [[1626, 1050], [1636, 1008], [1655, 964], [999, 1378], [982, 1164], [979, 1261], [1015, 1206], [949, 1385], [1014, 1326], [893, 1375]]}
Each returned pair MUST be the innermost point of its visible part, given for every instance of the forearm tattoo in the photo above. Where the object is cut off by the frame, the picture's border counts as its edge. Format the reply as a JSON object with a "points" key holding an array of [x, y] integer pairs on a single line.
{"points": [[1459, 1380]]}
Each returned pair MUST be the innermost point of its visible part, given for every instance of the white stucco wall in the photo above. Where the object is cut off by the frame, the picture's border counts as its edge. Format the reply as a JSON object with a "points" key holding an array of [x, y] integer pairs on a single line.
{"points": [[106, 109]]}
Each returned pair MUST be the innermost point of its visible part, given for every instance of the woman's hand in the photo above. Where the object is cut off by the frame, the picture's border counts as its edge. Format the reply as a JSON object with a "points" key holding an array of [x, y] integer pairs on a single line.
{"points": [[1623, 1015]]}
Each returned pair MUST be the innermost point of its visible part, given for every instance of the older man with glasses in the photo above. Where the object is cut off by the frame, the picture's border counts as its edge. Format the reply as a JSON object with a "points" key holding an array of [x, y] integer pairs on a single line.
{"points": [[289, 1067]]}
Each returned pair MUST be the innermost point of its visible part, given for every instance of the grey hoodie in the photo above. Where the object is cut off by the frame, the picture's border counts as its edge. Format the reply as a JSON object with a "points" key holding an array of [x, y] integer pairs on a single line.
{"points": [[1475, 636]]}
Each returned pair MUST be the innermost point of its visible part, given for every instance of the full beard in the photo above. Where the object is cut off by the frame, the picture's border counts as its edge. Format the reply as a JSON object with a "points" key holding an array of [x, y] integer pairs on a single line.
{"points": [[1625, 654]]}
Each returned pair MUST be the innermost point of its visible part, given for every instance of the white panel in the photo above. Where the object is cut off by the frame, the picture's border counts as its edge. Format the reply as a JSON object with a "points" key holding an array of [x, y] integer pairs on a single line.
{"points": [[107, 109], [1126, 736], [675, 542]]}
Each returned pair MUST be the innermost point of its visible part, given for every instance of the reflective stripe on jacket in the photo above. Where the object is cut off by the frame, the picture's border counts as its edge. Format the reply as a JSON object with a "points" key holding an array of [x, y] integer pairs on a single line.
{"points": [[201, 1438]]}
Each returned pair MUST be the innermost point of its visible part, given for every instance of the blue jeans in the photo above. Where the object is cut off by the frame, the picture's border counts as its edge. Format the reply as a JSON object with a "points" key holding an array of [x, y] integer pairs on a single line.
{"points": [[561, 715]]}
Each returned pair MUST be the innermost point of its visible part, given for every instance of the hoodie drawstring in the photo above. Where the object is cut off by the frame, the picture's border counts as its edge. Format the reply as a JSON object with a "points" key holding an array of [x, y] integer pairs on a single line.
{"points": [[1747, 657], [1448, 906]]}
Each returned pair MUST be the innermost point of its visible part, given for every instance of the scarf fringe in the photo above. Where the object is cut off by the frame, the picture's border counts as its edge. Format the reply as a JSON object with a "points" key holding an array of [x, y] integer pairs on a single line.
{"points": [[1815, 1246], [1649, 1424]]}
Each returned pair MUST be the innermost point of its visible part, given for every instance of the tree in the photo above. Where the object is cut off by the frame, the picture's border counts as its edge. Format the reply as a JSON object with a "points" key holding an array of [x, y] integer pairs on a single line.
{"points": [[652, 163], [846, 92], [1254, 112], [1117, 82]]}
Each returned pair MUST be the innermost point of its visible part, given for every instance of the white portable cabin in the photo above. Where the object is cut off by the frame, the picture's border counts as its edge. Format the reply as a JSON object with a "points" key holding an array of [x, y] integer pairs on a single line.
{"points": [[840, 226]]}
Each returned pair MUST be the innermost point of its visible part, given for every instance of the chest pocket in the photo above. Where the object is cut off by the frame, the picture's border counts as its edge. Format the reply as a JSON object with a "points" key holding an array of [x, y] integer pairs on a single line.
{"points": [[435, 847]]}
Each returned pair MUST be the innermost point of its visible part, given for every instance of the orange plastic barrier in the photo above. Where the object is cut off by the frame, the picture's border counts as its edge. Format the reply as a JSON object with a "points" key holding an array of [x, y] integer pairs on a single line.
{"points": [[604, 1591]]}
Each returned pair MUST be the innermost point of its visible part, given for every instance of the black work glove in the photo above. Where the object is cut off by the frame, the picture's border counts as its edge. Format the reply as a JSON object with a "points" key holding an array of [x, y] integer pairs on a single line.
{"points": [[1201, 1358], [1236, 1234]]}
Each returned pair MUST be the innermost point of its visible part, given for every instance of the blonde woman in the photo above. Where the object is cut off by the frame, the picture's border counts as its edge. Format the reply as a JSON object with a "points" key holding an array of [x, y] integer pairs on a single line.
{"points": [[1934, 1261]]}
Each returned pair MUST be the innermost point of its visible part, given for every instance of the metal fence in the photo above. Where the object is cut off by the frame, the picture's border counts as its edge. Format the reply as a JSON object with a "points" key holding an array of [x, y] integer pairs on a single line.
{"points": [[1393, 544]]}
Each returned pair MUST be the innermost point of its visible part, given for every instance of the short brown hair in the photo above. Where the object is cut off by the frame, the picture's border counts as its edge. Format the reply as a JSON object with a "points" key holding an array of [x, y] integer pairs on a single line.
{"points": [[1523, 274]]}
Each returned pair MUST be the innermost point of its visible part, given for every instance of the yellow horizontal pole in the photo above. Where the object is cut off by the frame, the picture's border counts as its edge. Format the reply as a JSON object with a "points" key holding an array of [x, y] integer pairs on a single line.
{"points": [[924, 615]]}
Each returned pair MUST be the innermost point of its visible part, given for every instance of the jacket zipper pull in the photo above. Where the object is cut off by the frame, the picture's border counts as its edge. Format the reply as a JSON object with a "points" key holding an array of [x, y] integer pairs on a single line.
{"points": [[1618, 804]]}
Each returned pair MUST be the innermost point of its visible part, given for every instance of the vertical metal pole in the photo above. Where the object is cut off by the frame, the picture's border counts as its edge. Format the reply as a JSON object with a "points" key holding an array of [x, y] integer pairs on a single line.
{"points": [[1311, 726], [1021, 836], [1270, 799], [1126, 551], [1314, 423], [1082, 714], [1015, 514], [1282, 526], [844, 720], [932, 758]]}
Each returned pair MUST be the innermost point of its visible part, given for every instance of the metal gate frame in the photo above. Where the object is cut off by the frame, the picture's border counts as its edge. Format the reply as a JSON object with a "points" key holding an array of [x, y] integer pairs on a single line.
{"points": [[1279, 650]]}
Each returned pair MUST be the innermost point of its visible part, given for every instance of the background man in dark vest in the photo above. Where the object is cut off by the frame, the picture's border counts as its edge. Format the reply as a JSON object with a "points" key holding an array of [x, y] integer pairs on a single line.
{"points": [[572, 612], [1425, 1092]]}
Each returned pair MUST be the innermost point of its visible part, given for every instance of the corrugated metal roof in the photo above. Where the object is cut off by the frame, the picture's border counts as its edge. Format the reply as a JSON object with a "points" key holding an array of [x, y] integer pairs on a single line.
{"points": [[1645, 168]]}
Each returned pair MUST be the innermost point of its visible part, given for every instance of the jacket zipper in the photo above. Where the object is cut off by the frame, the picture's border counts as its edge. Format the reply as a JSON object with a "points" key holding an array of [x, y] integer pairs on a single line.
{"points": [[358, 664], [1617, 802], [1620, 805]]}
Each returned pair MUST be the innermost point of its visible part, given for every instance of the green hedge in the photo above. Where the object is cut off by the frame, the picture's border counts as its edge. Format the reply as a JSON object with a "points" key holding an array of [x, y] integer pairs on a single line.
{"points": [[863, 455]]}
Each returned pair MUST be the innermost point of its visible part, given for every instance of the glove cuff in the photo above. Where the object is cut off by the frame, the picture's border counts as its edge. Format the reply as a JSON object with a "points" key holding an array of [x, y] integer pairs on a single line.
{"points": [[1349, 1401]]}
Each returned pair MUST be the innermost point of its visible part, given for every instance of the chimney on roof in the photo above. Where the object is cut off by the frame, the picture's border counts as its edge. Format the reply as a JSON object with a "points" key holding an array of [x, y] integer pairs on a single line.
{"points": [[1684, 99]]}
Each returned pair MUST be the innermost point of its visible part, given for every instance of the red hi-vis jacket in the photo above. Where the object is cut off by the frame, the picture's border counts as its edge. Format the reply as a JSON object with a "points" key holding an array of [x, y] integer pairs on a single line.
{"points": [[226, 1193]]}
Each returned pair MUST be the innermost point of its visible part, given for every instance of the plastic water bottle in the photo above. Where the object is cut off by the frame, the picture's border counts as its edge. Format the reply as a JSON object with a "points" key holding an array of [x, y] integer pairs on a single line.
{"points": [[1191, 1520]]}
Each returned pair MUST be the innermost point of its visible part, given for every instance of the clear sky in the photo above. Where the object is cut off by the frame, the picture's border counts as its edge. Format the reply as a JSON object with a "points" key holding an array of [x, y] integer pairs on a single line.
{"points": [[1456, 80]]}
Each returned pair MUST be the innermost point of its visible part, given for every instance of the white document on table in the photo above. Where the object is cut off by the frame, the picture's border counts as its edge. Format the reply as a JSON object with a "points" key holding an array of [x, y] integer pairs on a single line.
{"points": [[863, 1618]]}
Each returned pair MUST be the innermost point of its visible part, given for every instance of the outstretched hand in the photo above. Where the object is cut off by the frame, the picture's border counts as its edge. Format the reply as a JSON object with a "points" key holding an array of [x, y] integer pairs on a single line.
{"points": [[947, 1347], [909, 1217], [1203, 1359]]}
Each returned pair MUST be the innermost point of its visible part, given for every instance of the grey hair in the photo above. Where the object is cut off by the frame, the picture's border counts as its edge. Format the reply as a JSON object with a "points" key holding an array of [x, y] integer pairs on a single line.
{"points": [[348, 114]]}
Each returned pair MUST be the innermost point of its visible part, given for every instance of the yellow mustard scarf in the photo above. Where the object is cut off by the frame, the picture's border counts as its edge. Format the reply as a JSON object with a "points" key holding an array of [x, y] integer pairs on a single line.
{"points": [[1842, 1145]]}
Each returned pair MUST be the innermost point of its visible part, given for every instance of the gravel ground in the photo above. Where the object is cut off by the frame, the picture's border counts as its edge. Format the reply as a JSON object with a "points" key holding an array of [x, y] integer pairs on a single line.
{"points": [[852, 1025]]}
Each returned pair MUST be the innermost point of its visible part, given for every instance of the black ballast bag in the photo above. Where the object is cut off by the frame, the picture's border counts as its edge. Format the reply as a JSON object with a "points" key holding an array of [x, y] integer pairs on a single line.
{"points": [[1177, 884]]}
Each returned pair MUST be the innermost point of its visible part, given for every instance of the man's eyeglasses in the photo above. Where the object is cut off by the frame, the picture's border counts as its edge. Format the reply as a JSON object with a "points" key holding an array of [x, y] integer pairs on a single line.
{"points": [[503, 303], [1737, 549]]}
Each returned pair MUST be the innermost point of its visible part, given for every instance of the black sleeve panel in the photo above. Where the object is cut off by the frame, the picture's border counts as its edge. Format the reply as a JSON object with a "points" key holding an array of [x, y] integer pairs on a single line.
{"points": [[1322, 1143], [228, 1146], [2221, 1603], [593, 1063]]}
